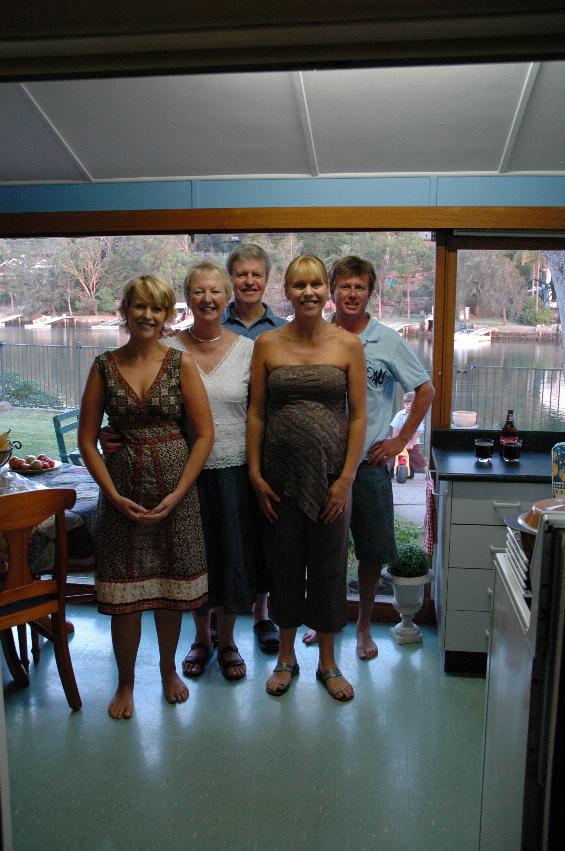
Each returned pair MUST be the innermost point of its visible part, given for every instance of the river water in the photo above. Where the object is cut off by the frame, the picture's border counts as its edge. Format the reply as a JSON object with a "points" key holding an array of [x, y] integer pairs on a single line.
{"points": [[544, 407], [518, 353]]}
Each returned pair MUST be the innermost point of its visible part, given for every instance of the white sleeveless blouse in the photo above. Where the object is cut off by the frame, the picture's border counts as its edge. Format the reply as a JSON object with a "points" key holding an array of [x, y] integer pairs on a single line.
{"points": [[228, 388]]}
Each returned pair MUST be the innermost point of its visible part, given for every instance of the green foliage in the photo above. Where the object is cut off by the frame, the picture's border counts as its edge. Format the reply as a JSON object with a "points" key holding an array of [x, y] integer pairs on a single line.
{"points": [[411, 561], [106, 300], [531, 316], [22, 391], [406, 532]]}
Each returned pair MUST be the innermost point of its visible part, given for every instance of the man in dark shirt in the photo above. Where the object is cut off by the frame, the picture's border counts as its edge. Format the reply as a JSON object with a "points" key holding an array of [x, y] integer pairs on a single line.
{"points": [[248, 266]]}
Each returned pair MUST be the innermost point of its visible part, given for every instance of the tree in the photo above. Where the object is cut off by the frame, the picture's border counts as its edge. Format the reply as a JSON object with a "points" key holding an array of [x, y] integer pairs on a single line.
{"points": [[489, 281], [507, 291], [85, 261], [533, 314], [556, 264]]}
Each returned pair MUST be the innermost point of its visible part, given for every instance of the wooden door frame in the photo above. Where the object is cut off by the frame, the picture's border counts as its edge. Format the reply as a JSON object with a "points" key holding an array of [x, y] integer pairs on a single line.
{"points": [[484, 227]]}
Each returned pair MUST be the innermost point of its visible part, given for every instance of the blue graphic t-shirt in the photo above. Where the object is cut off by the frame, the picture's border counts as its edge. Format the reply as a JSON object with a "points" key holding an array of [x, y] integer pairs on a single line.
{"points": [[389, 359]]}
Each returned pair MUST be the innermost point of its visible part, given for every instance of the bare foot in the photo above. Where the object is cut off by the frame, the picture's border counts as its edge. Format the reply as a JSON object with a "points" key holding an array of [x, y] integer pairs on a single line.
{"points": [[366, 647], [310, 637], [174, 688], [121, 705]]}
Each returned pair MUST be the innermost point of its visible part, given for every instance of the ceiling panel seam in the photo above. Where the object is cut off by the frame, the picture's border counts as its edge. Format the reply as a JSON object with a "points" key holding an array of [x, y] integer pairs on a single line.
{"points": [[56, 133], [523, 101], [304, 112]]}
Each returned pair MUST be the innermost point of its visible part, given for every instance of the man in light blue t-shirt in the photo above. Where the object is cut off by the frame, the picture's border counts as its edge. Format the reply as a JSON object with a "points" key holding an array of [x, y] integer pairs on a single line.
{"points": [[389, 360]]}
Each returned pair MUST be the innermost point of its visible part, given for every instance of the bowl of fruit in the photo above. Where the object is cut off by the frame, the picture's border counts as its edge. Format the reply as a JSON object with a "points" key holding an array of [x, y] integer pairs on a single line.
{"points": [[33, 465], [7, 446]]}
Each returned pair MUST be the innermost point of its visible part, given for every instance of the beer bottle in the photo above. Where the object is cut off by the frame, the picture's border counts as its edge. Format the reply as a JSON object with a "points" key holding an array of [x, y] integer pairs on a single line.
{"points": [[509, 432]]}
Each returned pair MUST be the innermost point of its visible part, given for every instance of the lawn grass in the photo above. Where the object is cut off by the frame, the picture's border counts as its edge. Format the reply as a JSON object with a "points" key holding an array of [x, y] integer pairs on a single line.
{"points": [[33, 427]]}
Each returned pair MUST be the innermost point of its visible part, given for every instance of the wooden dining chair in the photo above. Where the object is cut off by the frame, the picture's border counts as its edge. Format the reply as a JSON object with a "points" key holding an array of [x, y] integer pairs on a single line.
{"points": [[25, 599]]}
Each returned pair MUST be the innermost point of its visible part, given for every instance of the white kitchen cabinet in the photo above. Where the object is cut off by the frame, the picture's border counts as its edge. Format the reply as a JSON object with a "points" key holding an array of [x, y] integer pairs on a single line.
{"points": [[470, 531]]}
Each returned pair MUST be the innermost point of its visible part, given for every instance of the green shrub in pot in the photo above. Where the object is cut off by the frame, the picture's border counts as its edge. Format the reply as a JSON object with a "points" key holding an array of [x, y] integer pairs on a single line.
{"points": [[411, 561]]}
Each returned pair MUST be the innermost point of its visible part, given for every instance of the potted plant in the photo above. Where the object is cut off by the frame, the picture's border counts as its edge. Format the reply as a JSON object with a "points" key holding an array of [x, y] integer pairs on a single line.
{"points": [[408, 574]]}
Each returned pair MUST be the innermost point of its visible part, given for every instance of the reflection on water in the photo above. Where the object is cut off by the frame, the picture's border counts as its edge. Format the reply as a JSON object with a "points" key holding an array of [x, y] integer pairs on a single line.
{"points": [[540, 404], [507, 353], [61, 336], [518, 353]]}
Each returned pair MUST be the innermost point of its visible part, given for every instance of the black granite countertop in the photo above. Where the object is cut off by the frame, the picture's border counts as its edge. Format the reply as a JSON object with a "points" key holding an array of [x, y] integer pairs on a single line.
{"points": [[453, 453], [461, 464]]}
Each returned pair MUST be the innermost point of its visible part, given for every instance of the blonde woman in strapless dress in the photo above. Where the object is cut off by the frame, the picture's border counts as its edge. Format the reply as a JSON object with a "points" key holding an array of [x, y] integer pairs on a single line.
{"points": [[305, 431]]}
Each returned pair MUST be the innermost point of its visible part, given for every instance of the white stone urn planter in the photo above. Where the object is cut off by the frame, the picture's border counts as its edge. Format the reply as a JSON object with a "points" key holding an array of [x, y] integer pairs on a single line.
{"points": [[408, 599]]}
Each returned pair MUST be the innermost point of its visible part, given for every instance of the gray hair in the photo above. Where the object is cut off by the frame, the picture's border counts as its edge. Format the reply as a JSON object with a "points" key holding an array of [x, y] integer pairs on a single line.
{"points": [[249, 251], [206, 269]]}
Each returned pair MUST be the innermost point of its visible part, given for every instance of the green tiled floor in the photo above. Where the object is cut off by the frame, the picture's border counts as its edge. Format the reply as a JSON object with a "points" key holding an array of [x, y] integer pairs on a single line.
{"points": [[398, 768]]}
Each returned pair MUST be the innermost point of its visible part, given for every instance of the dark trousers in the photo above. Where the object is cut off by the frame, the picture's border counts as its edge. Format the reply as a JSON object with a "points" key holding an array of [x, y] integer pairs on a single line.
{"points": [[307, 565]]}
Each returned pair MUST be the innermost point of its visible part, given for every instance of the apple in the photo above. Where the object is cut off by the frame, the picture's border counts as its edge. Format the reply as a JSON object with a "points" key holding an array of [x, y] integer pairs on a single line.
{"points": [[36, 465], [51, 463], [15, 462], [24, 466], [45, 465], [42, 457], [30, 458]]}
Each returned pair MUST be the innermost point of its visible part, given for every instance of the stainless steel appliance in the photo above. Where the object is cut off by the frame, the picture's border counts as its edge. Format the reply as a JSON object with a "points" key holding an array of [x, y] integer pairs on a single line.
{"points": [[523, 763]]}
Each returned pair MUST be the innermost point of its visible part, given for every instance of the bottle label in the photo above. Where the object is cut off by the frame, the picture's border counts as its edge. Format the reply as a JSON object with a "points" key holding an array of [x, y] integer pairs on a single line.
{"points": [[558, 470]]}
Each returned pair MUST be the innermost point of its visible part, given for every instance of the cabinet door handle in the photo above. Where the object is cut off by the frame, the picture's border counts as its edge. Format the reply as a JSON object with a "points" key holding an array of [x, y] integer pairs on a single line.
{"points": [[505, 504], [495, 550], [487, 633], [489, 592]]}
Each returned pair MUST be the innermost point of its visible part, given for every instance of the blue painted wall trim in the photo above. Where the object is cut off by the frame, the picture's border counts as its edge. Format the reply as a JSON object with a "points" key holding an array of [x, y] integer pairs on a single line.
{"points": [[58, 198], [430, 191]]}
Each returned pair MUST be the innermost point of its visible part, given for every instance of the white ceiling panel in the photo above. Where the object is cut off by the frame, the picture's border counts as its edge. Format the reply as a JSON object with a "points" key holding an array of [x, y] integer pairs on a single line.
{"points": [[29, 150], [449, 119], [475, 119], [540, 144], [179, 126]]}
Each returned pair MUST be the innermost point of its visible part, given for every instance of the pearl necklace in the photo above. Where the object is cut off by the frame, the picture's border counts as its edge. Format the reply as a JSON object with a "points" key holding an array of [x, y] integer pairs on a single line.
{"points": [[200, 340]]}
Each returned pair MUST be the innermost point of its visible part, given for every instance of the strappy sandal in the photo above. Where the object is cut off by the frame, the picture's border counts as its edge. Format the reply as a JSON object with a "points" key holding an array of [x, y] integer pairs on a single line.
{"points": [[331, 674], [194, 663], [227, 666], [293, 670]]}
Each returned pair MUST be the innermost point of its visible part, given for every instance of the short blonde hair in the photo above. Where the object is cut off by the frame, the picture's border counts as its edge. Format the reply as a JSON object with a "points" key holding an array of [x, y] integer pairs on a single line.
{"points": [[154, 289], [306, 264], [206, 269]]}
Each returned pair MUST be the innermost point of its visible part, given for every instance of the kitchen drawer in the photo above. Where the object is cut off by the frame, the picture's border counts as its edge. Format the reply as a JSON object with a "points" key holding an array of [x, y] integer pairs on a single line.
{"points": [[470, 546], [467, 631], [489, 503], [468, 590]]}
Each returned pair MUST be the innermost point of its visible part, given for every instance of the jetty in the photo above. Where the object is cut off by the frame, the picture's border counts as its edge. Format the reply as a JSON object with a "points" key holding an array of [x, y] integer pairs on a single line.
{"points": [[15, 319], [49, 321], [116, 323]]}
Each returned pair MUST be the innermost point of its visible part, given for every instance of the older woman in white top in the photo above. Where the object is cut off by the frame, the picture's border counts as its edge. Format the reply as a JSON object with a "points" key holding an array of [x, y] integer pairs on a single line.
{"points": [[229, 511]]}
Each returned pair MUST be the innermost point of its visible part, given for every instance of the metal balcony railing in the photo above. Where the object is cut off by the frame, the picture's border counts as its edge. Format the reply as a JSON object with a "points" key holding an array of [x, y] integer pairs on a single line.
{"points": [[536, 395]]}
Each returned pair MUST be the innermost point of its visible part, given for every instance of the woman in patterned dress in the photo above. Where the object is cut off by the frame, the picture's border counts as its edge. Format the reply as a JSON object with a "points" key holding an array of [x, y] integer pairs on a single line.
{"points": [[229, 510], [304, 445], [150, 551]]}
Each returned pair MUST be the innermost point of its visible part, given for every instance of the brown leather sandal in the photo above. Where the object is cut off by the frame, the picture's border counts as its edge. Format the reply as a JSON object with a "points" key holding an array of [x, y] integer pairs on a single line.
{"points": [[227, 666], [195, 661]]}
